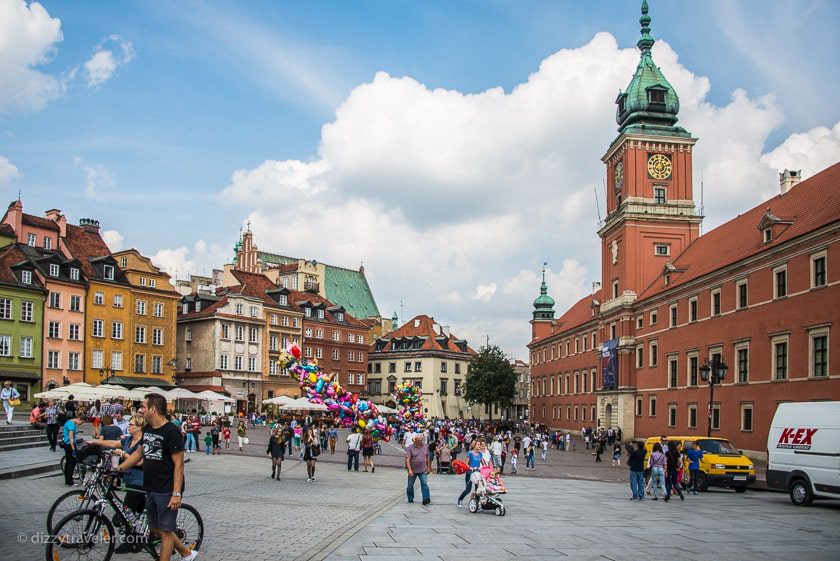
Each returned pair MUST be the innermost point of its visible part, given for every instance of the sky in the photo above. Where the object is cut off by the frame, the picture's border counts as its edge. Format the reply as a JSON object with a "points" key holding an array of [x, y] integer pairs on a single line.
{"points": [[450, 147]]}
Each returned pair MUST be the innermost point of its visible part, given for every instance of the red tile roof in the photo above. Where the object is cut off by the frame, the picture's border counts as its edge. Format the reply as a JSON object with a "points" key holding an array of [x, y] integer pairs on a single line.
{"points": [[812, 204], [577, 315], [205, 312], [9, 256], [84, 246], [7, 230], [40, 222], [424, 326]]}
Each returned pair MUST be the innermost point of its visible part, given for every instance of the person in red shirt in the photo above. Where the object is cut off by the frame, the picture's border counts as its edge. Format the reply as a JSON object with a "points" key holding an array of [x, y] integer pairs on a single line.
{"points": [[226, 437]]}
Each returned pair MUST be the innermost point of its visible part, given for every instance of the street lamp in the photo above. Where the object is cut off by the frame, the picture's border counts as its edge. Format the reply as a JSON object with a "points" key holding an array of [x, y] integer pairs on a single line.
{"points": [[106, 373], [714, 372]]}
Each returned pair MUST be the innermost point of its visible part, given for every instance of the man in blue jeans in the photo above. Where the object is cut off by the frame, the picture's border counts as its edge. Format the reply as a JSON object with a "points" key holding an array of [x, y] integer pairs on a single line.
{"points": [[694, 457], [419, 464], [636, 461]]}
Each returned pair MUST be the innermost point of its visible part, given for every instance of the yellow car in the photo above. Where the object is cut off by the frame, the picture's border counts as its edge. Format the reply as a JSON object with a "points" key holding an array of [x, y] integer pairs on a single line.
{"points": [[722, 464]]}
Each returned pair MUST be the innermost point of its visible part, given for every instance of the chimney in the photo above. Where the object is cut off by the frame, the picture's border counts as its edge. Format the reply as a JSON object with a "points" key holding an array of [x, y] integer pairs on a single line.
{"points": [[596, 286], [89, 225], [14, 218], [55, 215], [789, 179]]}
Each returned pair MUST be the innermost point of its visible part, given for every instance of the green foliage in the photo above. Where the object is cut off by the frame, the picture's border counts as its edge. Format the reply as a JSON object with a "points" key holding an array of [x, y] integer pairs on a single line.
{"points": [[491, 379]]}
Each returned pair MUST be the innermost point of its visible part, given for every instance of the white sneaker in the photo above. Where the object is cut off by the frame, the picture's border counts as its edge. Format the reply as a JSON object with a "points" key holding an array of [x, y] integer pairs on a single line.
{"points": [[190, 557], [460, 504]]}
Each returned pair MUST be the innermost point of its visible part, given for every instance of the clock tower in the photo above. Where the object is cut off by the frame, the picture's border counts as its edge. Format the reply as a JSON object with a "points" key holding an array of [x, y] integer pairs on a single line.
{"points": [[651, 215]]}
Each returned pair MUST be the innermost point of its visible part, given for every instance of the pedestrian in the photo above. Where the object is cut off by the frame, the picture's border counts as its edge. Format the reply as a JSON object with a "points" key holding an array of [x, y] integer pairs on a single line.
{"points": [[367, 451], [135, 498], [568, 442], [496, 453], [70, 407], [162, 454], [214, 432], [95, 417], [186, 431], [195, 425], [544, 453], [226, 436], [10, 398], [354, 444], [616, 458], [71, 426], [275, 451], [657, 464], [599, 448], [672, 465], [208, 443], [36, 416], [311, 451], [289, 433], [241, 434], [636, 462], [694, 457], [298, 431], [514, 457], [418, 465], [122, 423], [474, 461], [51, 414], [332, 437], [530, 462]]}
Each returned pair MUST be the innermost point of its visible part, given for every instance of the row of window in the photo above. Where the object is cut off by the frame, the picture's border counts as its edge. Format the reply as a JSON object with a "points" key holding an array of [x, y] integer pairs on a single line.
{"points": [[99, 300], [54, 271], [319, 353], [140, 331], [74, 331], [32, 241], [573, 413], [140, 364], [746, 414], [24, 351], [376, 367], [568, 384], [27, 308], [238, 361], [568, 347], [143, 281], [336, 335]]}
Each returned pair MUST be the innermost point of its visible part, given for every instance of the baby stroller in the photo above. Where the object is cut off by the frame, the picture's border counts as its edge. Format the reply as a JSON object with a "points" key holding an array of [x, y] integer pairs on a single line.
{"points": [[488, 490], [444, 460]]}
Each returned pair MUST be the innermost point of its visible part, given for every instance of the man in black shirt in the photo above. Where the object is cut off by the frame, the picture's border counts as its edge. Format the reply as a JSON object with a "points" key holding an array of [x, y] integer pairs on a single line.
{"points": [[163, 475], [636, 463]]}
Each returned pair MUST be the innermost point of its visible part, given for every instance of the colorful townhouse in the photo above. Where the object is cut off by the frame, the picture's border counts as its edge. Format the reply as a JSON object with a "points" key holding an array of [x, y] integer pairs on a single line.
{"points": [[153, 310]]}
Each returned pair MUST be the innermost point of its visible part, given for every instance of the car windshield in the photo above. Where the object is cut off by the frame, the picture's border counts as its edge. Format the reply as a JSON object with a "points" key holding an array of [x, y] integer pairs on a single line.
{"points": [[717, 447]]}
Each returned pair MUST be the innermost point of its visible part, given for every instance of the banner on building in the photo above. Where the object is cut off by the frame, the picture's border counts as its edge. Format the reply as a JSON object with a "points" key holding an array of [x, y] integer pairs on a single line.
{"points": [[609, 364]]}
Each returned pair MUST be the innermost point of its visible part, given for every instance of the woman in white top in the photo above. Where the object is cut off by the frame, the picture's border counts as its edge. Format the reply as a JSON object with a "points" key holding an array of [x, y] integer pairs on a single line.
{"points": [[9, 395]]}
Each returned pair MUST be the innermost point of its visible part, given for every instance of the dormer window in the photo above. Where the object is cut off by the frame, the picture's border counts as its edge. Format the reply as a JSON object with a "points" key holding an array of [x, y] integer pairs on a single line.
{"points": [[768, 235], [123, 262], [47, 242], [54, 270], [656, 96], [74, 274], [239, 309], [31, 240], [320, 314], [26, 277], [108, 272], [339, 316], [307, 312], [142, 281], [283, 300]]}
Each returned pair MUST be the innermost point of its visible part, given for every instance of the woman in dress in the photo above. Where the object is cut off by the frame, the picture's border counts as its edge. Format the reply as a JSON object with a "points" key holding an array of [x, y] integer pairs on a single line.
{"points": [[275, 451], [311, 450], [367, 451]]}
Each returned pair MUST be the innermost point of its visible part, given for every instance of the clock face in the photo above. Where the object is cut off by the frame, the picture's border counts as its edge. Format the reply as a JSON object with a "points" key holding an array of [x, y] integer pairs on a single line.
{"points": [[659, 166], [619, 176]]}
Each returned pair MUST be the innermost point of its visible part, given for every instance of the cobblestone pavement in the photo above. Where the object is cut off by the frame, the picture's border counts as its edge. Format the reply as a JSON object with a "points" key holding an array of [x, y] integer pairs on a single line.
{"points": [[364, 517]]}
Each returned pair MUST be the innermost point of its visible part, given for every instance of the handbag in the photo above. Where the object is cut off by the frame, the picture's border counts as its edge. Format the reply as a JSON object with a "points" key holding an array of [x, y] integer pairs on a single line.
{"points": [[315, 450], [14, 402]]}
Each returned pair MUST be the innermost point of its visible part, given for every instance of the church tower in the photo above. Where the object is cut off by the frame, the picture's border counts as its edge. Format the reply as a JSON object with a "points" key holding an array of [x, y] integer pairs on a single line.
{"points": [[650, 203], [543, 312]]}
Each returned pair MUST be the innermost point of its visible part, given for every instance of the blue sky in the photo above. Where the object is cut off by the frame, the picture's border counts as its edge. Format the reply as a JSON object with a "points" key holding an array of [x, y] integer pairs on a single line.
{"points": [[200, 90]]}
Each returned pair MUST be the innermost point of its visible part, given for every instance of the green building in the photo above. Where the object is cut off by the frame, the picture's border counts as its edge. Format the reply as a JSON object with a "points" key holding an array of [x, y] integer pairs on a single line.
{"points": [[22, 298]]}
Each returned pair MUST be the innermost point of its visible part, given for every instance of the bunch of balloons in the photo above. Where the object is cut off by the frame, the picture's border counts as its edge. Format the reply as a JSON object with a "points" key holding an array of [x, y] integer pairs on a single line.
{"points": [[349, 410], [409, 399]]}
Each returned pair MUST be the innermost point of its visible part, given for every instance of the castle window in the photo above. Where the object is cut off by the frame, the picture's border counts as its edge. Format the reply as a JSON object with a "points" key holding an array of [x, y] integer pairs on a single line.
{"points": [[656, 96], [659, 195], [768, 235], [662, 249]]}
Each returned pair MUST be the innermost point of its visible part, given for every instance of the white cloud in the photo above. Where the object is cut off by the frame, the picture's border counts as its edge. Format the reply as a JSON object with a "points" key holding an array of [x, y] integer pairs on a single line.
{"points": [[97, 177], [113, 239], [104, 63], [811, 151], [8, 170], [28, 36], [183, 261], [442, 194]]}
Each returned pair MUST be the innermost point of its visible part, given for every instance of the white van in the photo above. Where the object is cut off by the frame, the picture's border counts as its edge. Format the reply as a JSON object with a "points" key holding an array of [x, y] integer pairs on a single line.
{"points": [[803, 451]]}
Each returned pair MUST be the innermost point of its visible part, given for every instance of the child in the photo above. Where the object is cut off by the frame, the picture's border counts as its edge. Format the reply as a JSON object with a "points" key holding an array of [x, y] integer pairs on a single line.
{"points": [[513, 459], [226, 435], [208, 443], [616, 459]]}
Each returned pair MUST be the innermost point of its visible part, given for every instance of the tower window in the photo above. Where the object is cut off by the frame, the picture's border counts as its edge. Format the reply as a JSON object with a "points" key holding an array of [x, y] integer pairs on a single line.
{"points": [[662, 249], [656, 96], [659, 195]]}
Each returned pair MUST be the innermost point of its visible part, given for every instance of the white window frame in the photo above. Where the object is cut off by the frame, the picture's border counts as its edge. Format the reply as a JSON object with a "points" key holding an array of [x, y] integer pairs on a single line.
{"points": [[26, 277], [26, 347], [117, 360], [672, 415], [653, 355], [98, 332], [55, 270], [27, 311], [99, 298], [773, 366], [736, 363], [140, 307], [813, 258], [738, 285], [75, 303], [776, 271], [693, 302], [673, 359], [673, 318], [117, 330], [661, 249], [812, 333], [74, 273], [652, 406], [108, 272], [691, 407], [118, 300], [751, 408], [640, 356], [97, 359], [653, 317], [712, 294]]}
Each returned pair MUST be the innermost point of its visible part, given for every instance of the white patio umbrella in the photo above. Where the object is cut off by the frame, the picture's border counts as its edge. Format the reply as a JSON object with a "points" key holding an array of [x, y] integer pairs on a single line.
{"points": [[181, 393], [279, 400], [213, 396], [303, 404], [385, 409]]}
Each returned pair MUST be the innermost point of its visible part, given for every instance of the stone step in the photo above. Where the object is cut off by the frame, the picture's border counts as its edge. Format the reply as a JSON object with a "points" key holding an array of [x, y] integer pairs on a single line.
{"points": [[20, 431], [30, 469], [21, 446], [8, 440]]}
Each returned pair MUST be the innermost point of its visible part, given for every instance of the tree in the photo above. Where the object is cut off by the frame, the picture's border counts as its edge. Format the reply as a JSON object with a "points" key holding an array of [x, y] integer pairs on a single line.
{"points": [[491, 379]]}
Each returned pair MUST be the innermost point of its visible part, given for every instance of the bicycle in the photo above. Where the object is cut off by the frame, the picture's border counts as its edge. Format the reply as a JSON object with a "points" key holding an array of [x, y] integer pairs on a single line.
{"points": [[84, 530]]}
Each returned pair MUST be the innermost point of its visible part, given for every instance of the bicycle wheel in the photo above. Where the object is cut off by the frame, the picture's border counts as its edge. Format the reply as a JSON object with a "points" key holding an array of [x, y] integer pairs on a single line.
{"points": [[189, 528], [71, 501], [83, 534]]}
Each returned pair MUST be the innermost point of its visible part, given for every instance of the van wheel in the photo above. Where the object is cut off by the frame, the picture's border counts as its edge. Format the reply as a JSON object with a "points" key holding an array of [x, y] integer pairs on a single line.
{"points": [[800, 493], [702, 482], [740, 489]]}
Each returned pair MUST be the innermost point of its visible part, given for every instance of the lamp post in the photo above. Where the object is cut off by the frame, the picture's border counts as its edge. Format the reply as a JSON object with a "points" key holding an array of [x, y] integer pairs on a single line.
{"points": [[714, 372], [106, 373]]}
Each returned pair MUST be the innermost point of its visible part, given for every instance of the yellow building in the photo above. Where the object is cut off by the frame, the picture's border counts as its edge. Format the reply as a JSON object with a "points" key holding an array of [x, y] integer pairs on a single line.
{"points": [[153, 310], [107, 304]]}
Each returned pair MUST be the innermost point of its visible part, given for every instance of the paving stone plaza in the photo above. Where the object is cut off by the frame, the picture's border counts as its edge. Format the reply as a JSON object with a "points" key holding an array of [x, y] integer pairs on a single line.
{"points": [[362, 516]]}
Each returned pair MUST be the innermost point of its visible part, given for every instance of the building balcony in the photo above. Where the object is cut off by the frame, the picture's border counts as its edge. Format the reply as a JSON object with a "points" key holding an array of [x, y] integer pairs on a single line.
{"points": [[311, 286], [626, 299]]}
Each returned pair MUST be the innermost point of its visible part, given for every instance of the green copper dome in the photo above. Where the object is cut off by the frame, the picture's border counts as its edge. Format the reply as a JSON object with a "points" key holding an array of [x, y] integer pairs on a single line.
{"points": [[649, 104], [544, 304]]}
